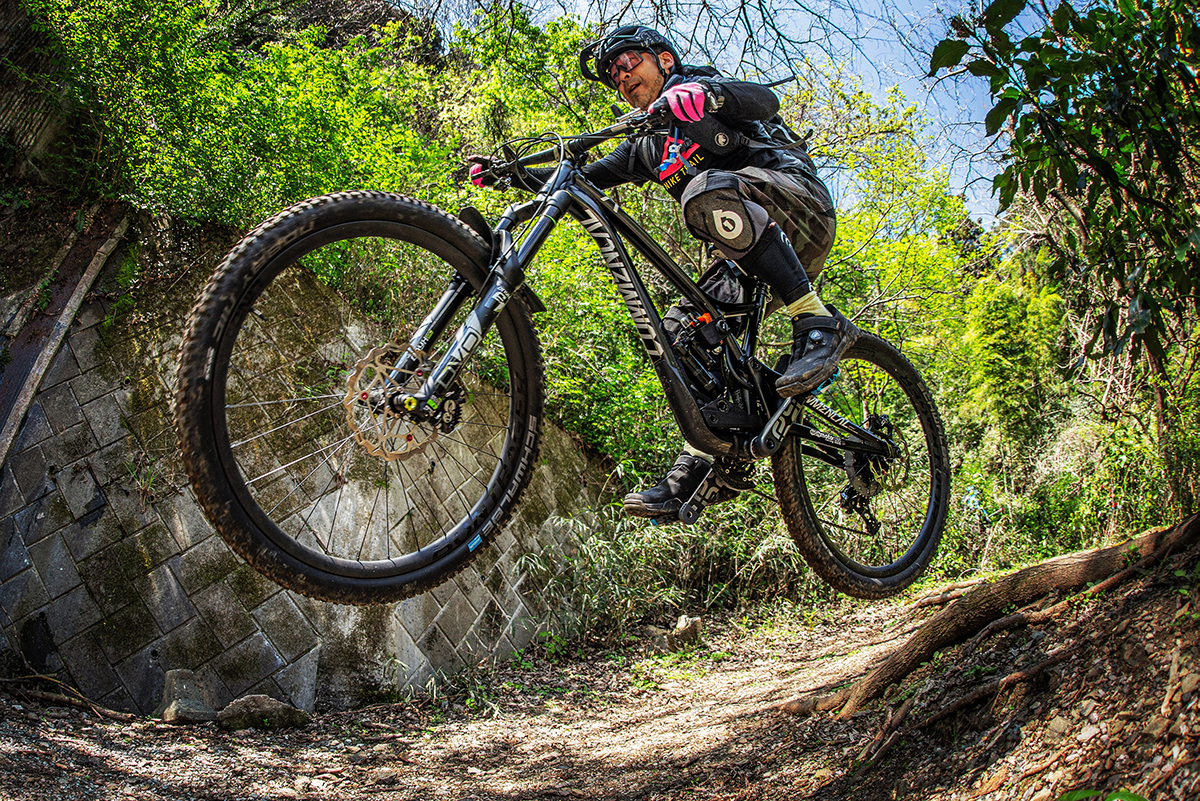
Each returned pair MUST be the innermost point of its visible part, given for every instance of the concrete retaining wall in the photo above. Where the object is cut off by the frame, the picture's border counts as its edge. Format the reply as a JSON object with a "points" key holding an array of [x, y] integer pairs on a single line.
{"points": [[110, 575]]}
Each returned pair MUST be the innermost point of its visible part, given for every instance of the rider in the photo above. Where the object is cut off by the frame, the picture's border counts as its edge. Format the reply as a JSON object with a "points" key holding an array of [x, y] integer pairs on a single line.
{"points": [[758, 205]]}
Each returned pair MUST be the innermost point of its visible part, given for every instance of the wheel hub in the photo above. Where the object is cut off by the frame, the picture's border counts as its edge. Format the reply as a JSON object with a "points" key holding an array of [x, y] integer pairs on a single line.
{"points": [[377, 426], [870, 474]]}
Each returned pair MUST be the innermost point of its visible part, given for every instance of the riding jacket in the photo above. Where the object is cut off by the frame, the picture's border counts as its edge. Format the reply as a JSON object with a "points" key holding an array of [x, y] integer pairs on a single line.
{"points": [[730, 138]]}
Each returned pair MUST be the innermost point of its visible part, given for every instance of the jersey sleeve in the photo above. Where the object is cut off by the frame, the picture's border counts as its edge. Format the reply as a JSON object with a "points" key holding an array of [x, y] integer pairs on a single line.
{"points": [[742, 100]]}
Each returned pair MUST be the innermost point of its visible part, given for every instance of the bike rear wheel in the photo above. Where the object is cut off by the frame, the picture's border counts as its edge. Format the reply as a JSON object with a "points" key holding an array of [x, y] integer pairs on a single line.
{"points": [[285, 369], [868, 525]]}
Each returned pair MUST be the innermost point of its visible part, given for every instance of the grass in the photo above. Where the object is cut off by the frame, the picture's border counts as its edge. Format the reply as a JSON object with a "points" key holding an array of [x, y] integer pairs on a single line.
{"points": [[682, 666]]}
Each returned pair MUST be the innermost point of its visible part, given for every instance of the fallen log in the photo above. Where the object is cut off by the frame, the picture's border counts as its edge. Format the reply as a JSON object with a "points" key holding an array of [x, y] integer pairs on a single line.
{"points": [[63, 700], [987, 602]]}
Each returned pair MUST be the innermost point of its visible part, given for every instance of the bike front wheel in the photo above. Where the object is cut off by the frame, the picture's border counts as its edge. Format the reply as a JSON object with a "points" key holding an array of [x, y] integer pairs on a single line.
{"points": [[286, 367], [867, 524]]}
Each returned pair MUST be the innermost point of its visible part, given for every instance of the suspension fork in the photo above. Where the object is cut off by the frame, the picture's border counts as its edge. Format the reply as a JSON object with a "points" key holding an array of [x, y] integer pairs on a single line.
{"points": [[506, 277], [431, 328]]}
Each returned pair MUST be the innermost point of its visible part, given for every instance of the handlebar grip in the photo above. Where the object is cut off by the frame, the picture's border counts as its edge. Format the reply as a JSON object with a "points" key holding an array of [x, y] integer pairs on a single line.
{"points": [[540, 157]]}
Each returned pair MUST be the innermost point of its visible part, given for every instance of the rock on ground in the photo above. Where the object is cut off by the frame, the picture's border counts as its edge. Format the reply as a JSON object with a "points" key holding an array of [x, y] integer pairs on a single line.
{"points": [[261, 712]]}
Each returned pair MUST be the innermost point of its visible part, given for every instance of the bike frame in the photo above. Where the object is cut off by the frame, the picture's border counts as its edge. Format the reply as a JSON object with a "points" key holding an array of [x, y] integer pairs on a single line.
{"points": [[568, 192]]}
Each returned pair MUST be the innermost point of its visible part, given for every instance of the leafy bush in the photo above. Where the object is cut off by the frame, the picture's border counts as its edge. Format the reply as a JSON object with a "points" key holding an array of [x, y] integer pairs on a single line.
{"points": [[190, 126], [626, 571]]}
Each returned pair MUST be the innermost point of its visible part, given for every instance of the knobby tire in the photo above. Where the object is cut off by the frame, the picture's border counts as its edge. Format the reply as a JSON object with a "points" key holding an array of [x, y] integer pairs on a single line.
{"points": [[908, 496], [273, 444]]}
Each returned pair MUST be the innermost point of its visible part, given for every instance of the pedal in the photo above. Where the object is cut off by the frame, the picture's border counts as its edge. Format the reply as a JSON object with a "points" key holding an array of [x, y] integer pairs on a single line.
{"points": [[828, 382], [705, 494]]}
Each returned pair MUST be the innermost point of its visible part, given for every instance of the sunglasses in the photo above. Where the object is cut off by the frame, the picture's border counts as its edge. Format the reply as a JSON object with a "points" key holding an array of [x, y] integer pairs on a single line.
{"points": [[624, 63]]}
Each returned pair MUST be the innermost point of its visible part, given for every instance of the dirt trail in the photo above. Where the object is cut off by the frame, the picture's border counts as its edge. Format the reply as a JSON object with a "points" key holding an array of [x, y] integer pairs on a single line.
{"points": [[700, 725]]}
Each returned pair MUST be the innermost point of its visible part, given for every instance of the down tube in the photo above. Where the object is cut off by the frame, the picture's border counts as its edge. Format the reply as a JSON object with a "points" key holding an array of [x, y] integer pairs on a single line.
{"points": [[649, 327]]}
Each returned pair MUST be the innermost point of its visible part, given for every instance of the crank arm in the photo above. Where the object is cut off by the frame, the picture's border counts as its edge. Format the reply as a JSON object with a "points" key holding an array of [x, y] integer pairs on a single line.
{"points": [[694, 506], [705, 494]]}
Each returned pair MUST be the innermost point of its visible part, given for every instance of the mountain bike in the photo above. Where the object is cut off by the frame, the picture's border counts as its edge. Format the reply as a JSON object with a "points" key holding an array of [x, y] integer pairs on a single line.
{"points": [[364, 449]]}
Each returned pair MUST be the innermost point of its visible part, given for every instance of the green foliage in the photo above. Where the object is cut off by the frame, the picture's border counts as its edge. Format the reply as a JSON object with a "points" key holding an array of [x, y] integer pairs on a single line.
{"points": [[625, 571], [1101, 795], [1100, 105], [1011, 347], [1096, 105], [190, 126], [681, 666]]}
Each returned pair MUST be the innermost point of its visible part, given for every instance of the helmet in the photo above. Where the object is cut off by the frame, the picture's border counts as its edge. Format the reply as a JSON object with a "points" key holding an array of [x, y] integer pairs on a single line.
{"points": [[597, 56]]}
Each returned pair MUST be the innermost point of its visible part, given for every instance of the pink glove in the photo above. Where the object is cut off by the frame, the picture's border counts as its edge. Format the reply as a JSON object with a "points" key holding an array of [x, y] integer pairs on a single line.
{"points": [[478, 165], [686, 101]]}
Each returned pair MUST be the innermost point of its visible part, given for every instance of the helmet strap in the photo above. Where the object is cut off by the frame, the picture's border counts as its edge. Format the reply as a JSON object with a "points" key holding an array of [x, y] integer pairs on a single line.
{"points": [[658, 64]]}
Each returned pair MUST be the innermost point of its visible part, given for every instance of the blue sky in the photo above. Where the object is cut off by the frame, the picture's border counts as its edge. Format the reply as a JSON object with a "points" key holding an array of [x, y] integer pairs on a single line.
{"points": [[886, 42]]}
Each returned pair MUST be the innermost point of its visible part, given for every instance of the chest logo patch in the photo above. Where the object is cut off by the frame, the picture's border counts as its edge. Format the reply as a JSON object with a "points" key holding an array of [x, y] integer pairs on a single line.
{"points": [[677, 157], [729, 224]]}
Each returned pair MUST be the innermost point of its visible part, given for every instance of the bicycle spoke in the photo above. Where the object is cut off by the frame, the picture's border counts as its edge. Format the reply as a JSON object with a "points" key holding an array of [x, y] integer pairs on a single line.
{"points": [[367, 484], [285, 425], [301, 459], [284, 400]]}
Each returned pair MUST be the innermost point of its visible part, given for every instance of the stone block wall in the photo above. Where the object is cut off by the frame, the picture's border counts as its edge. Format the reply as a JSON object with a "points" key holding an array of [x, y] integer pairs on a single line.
{"points": [[110, 575], [29, 119]]}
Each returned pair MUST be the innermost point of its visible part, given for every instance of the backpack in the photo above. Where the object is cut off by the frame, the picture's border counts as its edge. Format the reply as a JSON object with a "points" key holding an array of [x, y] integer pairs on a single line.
{"points": [[780, 136]]}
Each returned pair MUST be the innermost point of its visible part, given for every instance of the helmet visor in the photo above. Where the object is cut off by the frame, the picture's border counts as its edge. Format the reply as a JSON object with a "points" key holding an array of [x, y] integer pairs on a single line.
{"points": [[625, 62]]}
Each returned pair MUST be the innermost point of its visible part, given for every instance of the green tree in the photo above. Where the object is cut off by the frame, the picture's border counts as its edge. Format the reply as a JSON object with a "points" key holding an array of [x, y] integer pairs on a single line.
{"points": [[1098, 109], [1102, 115], [1011, 347]]}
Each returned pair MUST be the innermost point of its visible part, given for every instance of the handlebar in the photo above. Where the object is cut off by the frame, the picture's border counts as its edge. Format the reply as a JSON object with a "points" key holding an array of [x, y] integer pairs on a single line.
{"points": [[631, 123]]}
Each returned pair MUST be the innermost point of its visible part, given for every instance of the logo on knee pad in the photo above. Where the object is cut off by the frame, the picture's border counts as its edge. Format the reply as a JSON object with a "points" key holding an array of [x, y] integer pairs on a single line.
{"points": [[729, 224]]}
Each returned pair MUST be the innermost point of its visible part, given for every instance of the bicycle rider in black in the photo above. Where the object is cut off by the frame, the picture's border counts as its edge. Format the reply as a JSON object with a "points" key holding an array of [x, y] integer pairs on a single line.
{"points": [[760, 207]]}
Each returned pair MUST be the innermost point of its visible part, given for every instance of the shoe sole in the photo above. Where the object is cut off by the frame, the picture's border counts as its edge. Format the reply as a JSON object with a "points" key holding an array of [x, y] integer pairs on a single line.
{"points": [[639, 509], [802, 384]]}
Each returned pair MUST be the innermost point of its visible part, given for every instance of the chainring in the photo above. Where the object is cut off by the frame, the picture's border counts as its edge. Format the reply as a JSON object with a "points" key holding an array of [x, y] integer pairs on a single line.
{"points": [[737, 475], [380, 430]]}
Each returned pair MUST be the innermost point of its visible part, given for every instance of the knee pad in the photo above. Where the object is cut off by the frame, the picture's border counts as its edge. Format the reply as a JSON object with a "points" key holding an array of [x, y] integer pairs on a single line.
{"points": [[716, 210]]}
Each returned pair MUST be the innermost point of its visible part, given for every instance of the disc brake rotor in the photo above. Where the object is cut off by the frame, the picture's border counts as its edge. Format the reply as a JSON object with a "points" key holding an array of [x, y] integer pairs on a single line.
{"points": [[379, 429]]}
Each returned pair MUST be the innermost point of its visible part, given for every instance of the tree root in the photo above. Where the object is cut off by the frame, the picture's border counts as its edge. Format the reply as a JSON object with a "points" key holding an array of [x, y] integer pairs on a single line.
{"points": [[991, 688], [987, 602], [809, 704], [947, 593], [1041, 616], [888, 736]]}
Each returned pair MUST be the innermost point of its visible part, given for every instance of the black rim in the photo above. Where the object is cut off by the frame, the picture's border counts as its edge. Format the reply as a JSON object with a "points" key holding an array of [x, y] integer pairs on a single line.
{"points": [[871, 509], [330, 504]]}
